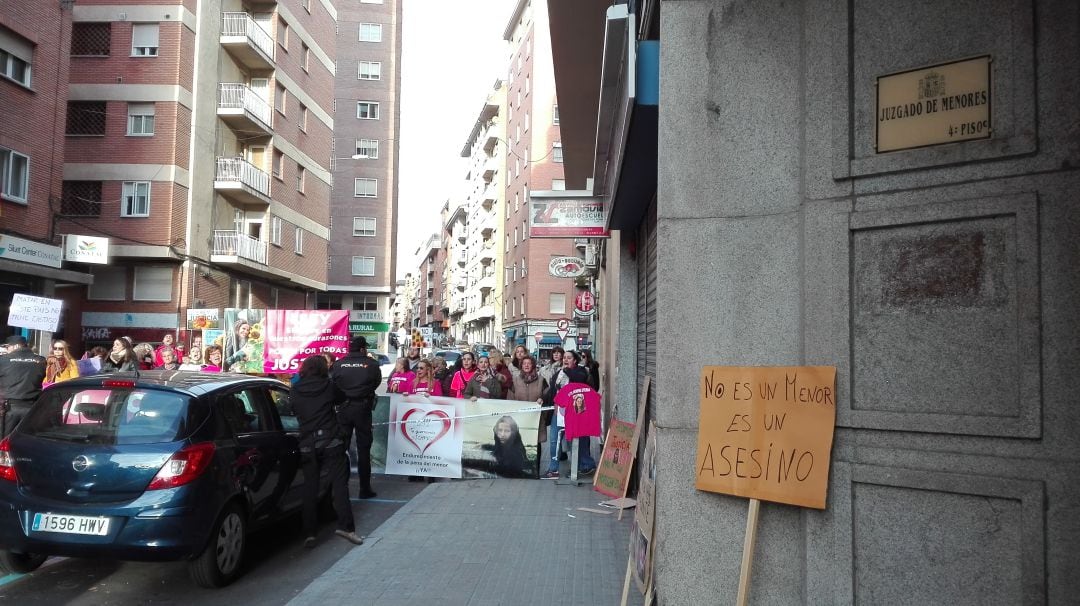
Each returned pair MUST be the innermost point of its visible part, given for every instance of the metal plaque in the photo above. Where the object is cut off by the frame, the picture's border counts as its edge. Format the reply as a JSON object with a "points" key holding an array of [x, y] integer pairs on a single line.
{"points": [[944, 103]]}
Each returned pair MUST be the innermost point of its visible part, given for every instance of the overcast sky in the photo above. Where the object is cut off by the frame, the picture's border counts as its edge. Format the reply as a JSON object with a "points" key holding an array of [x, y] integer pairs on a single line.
{"points": [[452, 54]]}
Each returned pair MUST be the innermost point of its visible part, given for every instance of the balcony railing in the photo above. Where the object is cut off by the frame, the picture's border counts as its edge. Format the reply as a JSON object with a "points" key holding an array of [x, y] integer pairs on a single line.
{"points": [[244, 172], [236, 244], [241, 24], [232, 95]]}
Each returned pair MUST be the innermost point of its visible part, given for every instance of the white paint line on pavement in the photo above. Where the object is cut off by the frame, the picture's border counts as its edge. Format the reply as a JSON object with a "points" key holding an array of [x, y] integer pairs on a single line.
{"points": [[15, 576]]}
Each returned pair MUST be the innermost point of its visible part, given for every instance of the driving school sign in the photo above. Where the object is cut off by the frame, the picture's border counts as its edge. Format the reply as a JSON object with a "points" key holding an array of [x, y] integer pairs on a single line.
{"points": [[566, 214], [766, 432]]}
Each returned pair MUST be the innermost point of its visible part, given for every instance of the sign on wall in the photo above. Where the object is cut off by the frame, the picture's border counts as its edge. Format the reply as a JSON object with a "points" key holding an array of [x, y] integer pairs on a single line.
{"points": [[944, 103], [28, 251], [86, 249], [35, 313], [565, 214], [766, 432], [567, 267]]}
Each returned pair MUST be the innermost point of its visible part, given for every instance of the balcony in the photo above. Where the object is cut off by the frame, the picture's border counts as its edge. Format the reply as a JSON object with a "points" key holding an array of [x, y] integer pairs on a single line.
{"points": [[484, 313], [491, 166], [247, 41], [488, 197], [239, 180], [461, 260], [231, 247], [243, 109], [461, 236], [487, 282], [487, 255]]}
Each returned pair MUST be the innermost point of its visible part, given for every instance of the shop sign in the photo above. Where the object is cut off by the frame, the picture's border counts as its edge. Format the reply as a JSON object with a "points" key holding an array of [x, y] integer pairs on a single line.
{"points": [[35, 313], [369, 327], [561, 214], [365, 316], [944, 103], [585, 303], [86, 249], [29, 251], [203, 319], [567, 267]]}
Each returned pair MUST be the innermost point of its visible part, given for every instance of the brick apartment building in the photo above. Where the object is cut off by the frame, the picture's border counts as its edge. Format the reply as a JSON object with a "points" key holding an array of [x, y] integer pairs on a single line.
{"points": [[363, 236], [197, 138], [33, 93]]}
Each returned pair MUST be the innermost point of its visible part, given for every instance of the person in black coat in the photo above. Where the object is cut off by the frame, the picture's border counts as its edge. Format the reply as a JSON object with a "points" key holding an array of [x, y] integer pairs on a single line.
{"points": [[322, 446], [21, 374], [358, 376]]}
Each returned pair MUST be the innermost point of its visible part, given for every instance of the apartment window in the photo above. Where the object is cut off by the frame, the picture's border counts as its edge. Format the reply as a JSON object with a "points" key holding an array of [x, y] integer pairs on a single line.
{"points": [[524, 230], [371, 32], [363, 226], [283, 34], [555, 114], [110, 284], [367, 148], [558, 184], [557, 303], [144, 40], [523, 305], [367, 110], [365, 302], [305, 56], [369, 70], [556, 153], [14, 175], [86, 118], [507, 236], [135, 199], [515, 236], [524, 271], [91, 39], [240, 293], [279, 97], [275, 298], [152, 283], [140, 119], [298, 247], [526, 121], [365, 188], [302, 121], [278, 163], [275, 231], [363, 266], [519, 97], [81, 199], [517, 133], [301, 174], [513, 307]]}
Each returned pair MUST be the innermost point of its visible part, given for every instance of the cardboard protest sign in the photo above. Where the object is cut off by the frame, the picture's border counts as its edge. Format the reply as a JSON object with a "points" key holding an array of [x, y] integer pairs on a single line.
{"points": [[291, 335], [641, 536], [613, 472], [766, 432], [35, 313]]}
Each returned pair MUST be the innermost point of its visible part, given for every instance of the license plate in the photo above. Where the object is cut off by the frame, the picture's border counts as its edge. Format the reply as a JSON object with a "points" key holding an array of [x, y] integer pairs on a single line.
{"points": [[52, 522]]}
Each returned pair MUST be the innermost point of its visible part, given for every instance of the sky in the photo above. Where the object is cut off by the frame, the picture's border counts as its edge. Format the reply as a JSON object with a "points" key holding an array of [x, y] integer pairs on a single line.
{"points": [[452, 53]]}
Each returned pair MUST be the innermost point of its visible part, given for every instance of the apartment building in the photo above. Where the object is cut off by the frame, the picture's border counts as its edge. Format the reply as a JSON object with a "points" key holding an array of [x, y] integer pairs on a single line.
{"points": [[428, 289], [34, 37], [454, 278], [196, 142], [533, 300], [485, 210], [363, 235]]}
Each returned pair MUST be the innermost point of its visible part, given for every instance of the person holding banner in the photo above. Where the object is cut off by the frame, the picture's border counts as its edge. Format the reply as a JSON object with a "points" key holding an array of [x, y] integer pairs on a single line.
{"points": [[485, 382], [528, 386], [21, 374], [358, 376], [401, 378], [426, 384], [463, 375], [121, 358]]}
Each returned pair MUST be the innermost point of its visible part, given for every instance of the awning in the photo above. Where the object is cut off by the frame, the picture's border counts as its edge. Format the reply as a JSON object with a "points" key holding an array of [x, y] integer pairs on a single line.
{"points": [[551, 340]]}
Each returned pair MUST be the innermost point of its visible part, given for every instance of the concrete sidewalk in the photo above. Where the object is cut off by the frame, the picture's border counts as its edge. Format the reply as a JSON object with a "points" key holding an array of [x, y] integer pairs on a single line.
{"points": [[483, 543]]}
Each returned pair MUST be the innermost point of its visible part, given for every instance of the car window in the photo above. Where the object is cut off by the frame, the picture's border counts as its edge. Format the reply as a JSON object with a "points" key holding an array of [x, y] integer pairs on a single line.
{"points": [[113, 415], [280, 399], [245, 412]]}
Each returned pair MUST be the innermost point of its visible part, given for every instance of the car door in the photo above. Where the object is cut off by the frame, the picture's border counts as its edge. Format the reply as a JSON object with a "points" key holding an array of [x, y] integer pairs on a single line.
{"points": [[293, 496], [257, 465]]}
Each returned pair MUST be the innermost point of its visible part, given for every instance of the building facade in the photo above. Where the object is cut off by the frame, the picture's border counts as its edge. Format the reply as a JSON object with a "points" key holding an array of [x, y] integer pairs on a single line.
{"points": [[363, 236]]}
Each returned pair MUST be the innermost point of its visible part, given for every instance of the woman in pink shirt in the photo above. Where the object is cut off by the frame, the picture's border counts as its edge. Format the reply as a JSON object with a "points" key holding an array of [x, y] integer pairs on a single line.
{"points": [[462, 377], [426, 384], [401, 379]]}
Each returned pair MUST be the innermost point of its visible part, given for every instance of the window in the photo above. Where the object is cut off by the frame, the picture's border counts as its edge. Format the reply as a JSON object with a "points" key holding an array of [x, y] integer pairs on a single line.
{"points": [[369, 70], [283, 34], [279, 98], [365, 188], [528, 84], [14, 175], [152, 283], [301, 173], [86, 118], [556, 153], [140, 119], [16, 55], [367, 110], [240, 293], [135, 201], [110, 284], [365, 303], [144, 40], [305, 56], [363, 226], [523, 305], [515, 236], [517, 136], [298, 247], [81, 199], [371, 32], [279, 163], [557, 303], [558, 184], [91, 39], [524, 272], [555, 114], [302, 121], [363, 266], [275, 231], [275, 298], [367, 148], [526, 121]]}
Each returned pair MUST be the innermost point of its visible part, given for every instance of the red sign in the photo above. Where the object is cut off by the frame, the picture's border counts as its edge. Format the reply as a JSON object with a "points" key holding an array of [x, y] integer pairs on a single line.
{"points": [[539, 336], [585, 303]]}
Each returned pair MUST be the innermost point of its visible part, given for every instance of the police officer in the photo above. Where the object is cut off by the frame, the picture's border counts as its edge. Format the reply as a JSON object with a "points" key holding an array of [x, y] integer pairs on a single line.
{"points": [[21, 374], [358, 376]]}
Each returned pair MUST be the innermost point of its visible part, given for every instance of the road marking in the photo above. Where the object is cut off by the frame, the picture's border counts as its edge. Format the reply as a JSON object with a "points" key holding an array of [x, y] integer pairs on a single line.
{"points": [[15, 576]]}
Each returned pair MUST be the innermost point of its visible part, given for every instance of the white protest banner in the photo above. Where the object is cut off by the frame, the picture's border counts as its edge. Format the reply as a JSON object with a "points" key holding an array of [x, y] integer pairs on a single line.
{"points": [[36, 313], [423, 440]]}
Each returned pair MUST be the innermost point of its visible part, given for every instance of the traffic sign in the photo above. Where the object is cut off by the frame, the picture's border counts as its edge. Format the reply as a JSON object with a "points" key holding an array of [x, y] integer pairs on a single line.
{"points": [[585, 303], [539, 337], [562, 333], [563, 324]]}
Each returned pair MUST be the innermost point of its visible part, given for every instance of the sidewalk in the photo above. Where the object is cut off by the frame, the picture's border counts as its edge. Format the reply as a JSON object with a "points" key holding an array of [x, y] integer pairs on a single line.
{"points": [[486, 543]]}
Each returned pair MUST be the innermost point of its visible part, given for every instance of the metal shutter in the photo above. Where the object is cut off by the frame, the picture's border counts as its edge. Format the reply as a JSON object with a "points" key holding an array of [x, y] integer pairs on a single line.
{"points": [[646, 335]]}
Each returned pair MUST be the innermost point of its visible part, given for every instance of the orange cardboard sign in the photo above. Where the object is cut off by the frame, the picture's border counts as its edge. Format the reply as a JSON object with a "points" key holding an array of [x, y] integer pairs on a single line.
{"points": [[766, 432]]}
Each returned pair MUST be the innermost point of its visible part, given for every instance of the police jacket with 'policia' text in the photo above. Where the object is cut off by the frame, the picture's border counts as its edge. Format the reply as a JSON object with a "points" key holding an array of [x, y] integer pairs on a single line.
{"points": [[357, 375], [21, 374]]}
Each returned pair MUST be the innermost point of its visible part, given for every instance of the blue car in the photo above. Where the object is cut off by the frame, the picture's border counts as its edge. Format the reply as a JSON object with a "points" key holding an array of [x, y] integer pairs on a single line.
{"points": [[151, 466]]}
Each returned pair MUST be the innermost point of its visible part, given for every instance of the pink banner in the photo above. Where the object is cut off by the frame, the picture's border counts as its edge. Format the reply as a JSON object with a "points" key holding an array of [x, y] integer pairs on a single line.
{"points": [[294, 334]]}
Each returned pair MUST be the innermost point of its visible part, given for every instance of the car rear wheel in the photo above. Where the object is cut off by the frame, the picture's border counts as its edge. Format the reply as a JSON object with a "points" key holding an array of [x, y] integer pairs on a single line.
{"points": [[219, 563], [21, 563]]}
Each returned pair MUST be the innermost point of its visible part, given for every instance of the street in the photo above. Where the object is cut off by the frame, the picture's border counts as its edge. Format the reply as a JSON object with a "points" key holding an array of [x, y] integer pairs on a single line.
{"points": [[276, 565]]}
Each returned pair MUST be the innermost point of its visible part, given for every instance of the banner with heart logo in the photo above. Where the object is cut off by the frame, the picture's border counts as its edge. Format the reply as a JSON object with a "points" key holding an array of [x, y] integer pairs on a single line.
{"points": [[423, 439]]}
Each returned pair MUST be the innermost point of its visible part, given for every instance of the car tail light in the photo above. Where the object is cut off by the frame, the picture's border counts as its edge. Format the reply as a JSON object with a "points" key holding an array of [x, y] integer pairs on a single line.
{"points": [[7, 462], [117, 383], [184, 466]]}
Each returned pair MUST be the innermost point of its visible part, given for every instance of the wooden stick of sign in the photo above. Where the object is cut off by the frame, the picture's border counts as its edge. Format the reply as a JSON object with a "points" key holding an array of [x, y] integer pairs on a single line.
{"points": [[642, 403], [748, 552]]}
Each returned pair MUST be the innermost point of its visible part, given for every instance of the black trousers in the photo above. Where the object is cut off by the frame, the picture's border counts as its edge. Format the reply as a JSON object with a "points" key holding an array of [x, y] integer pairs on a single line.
{"points": [[356, 416], [17, 409], [336, 464]]}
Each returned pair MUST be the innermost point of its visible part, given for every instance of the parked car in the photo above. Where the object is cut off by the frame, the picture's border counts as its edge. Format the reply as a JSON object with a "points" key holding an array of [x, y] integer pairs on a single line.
{"points": [[150, 466], [482, 348], [386, 363], [450, 355]]}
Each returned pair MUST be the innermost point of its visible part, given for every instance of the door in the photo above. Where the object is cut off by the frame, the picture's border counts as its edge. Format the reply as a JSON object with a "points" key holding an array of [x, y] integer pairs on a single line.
{"points": [[256, 154], [294, 494], [261, 463], [261, 88]]}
